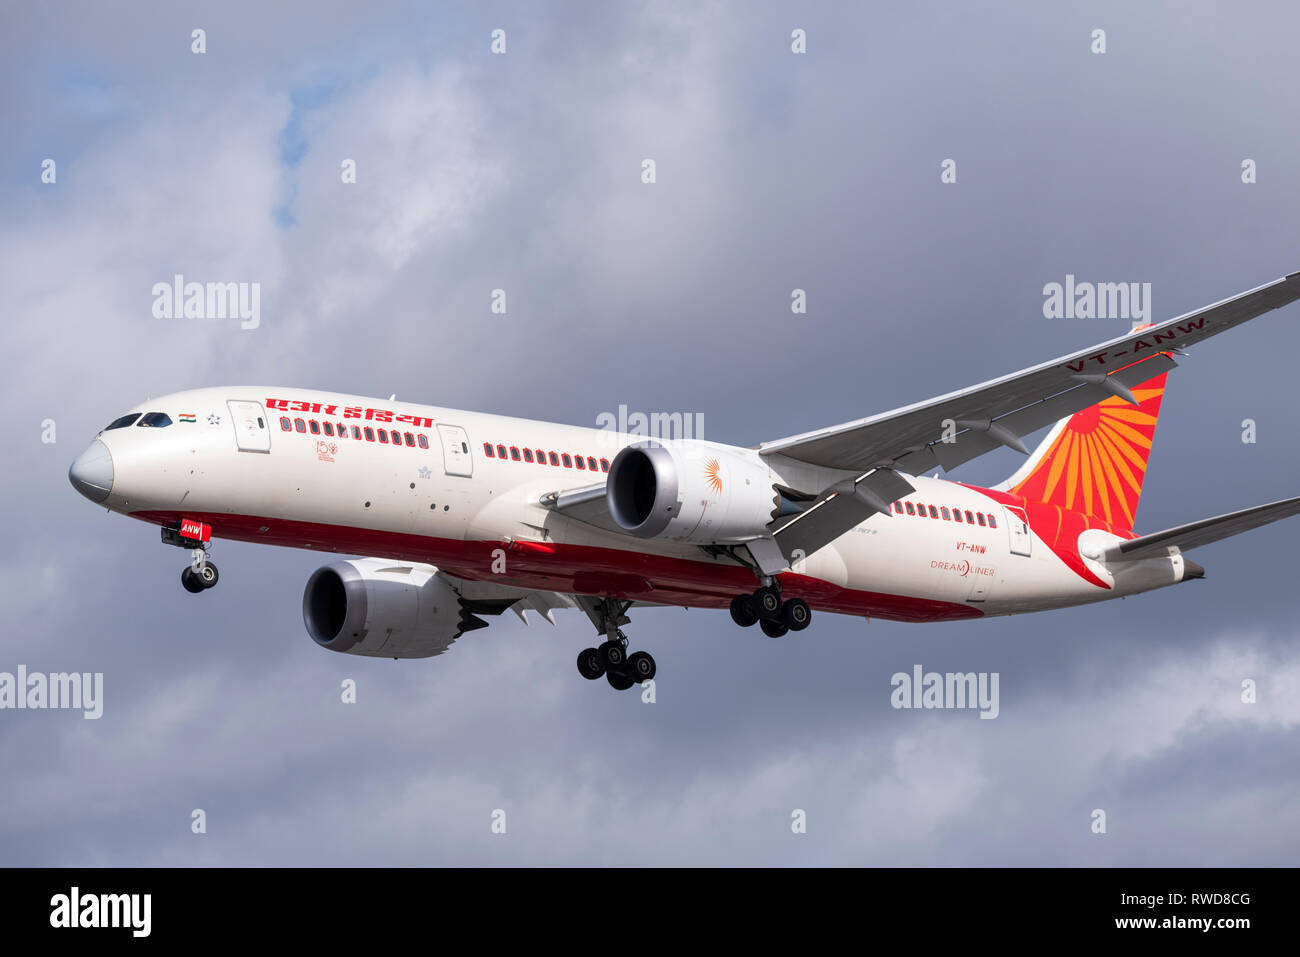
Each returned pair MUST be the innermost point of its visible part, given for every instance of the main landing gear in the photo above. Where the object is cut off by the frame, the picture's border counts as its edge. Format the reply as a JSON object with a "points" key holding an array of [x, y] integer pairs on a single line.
{"points": [[766, 609], [611, 659]]}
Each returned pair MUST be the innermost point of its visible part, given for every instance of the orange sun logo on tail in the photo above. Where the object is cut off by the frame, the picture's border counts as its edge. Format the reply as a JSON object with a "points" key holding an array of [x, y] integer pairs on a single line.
{"points": [[711, 468], [1096, 465]]}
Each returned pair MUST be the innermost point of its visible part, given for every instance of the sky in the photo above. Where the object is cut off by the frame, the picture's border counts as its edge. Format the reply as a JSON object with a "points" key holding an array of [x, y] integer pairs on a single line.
{"points": [[522, 171]]}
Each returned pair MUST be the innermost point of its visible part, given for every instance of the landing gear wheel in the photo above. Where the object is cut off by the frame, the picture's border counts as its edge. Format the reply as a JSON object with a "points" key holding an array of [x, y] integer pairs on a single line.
{"points": [[613, 656], [619, 682], [207, 575], [773, 629], [189, 581], [641, 665], [589, 665], [795, 614], [742, 611], [767, 603]]}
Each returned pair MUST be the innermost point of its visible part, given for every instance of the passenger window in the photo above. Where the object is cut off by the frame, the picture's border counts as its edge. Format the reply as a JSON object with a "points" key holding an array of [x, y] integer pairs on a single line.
{"points": [[487, 450], [970, 519], [920, 509], [992, 522], [933, 512], [410, 440], [541, 457], [154, 420], [370, 434], [577, 461], [944, 512], [424, 443], [555, 459], [501, 451], [343, 431], [898, 508], [568, 463], [299, 425], [464, 447], [284, 424], [591, 463], [383, 436], [329, 428], [910, 509], [123, 422], [980, 516], [356, 432], [956, 513], [528, 455], [514, 453], [604, 465], [313, 426]]}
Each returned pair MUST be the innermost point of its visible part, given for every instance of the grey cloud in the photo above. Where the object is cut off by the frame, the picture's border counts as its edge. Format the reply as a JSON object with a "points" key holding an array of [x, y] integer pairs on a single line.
{"points": [[521, 172]]}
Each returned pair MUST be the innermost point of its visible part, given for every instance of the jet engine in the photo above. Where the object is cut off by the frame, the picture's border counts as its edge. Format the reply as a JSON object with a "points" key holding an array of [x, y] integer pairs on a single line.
{"points": [[384, 609], [690, 491]]}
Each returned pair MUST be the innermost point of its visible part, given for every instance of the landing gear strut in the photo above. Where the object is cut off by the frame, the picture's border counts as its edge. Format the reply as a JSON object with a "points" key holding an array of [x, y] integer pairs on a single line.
{"points": [[611, 659], [774, 616]]}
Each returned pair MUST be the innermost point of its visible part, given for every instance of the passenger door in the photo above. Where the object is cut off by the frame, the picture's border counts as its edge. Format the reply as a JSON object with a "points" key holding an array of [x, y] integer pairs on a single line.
{"points": [[456, 456], [252, 432], [1018, 529]]}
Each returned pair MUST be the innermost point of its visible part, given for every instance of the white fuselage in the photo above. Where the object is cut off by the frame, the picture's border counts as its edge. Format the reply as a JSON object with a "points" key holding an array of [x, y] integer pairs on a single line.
{"points": [[482, 517]]}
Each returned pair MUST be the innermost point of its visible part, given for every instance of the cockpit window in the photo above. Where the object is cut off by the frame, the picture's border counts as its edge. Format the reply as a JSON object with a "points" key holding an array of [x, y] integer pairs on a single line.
{"points": [[123, 422], [155, 420]]}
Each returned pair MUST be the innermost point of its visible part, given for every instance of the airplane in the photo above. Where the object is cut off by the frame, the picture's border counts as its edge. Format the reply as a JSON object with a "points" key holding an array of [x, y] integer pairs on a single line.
{"points": [[462, 515]]}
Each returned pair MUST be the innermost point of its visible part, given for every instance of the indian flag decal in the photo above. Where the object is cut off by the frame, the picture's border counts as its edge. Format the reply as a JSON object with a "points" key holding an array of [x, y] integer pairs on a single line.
{"points": [[188, 417]]}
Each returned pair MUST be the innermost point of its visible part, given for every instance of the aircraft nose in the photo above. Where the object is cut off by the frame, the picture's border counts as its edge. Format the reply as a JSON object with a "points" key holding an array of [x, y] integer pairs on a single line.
{"points": [[92, 473]]}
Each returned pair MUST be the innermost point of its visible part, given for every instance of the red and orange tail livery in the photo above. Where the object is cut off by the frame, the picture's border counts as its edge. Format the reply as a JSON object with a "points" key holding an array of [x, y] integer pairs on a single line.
{"points": [[1095, 463]]}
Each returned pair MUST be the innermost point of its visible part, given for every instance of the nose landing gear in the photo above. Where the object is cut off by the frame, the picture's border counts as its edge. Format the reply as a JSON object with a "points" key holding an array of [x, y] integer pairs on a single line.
{"points": [[200, 574]]}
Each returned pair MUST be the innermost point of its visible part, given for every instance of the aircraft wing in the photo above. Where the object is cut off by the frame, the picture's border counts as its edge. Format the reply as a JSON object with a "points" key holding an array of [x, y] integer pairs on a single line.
{"points": [[1001, 411], [586, 504], [1207, 530]]}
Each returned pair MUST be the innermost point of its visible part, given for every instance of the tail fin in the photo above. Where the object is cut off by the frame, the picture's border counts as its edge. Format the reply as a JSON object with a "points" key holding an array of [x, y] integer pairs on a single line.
{"points": [[1094, 461]]}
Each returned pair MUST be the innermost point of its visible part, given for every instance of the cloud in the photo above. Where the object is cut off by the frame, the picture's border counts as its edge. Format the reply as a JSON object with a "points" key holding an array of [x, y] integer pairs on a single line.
{"points": [[522, 172]]}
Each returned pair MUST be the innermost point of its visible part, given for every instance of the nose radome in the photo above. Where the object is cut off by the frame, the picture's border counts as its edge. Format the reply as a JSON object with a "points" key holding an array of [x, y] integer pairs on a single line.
{"points": [[92, 473]]}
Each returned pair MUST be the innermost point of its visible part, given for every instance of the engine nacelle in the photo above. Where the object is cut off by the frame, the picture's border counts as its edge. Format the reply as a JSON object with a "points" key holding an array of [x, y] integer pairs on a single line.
{"points": [[383, 608], [690, 491]]}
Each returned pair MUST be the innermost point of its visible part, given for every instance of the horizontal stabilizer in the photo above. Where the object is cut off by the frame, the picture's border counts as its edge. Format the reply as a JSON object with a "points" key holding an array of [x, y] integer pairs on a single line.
{"points": [[1204, 532]]}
